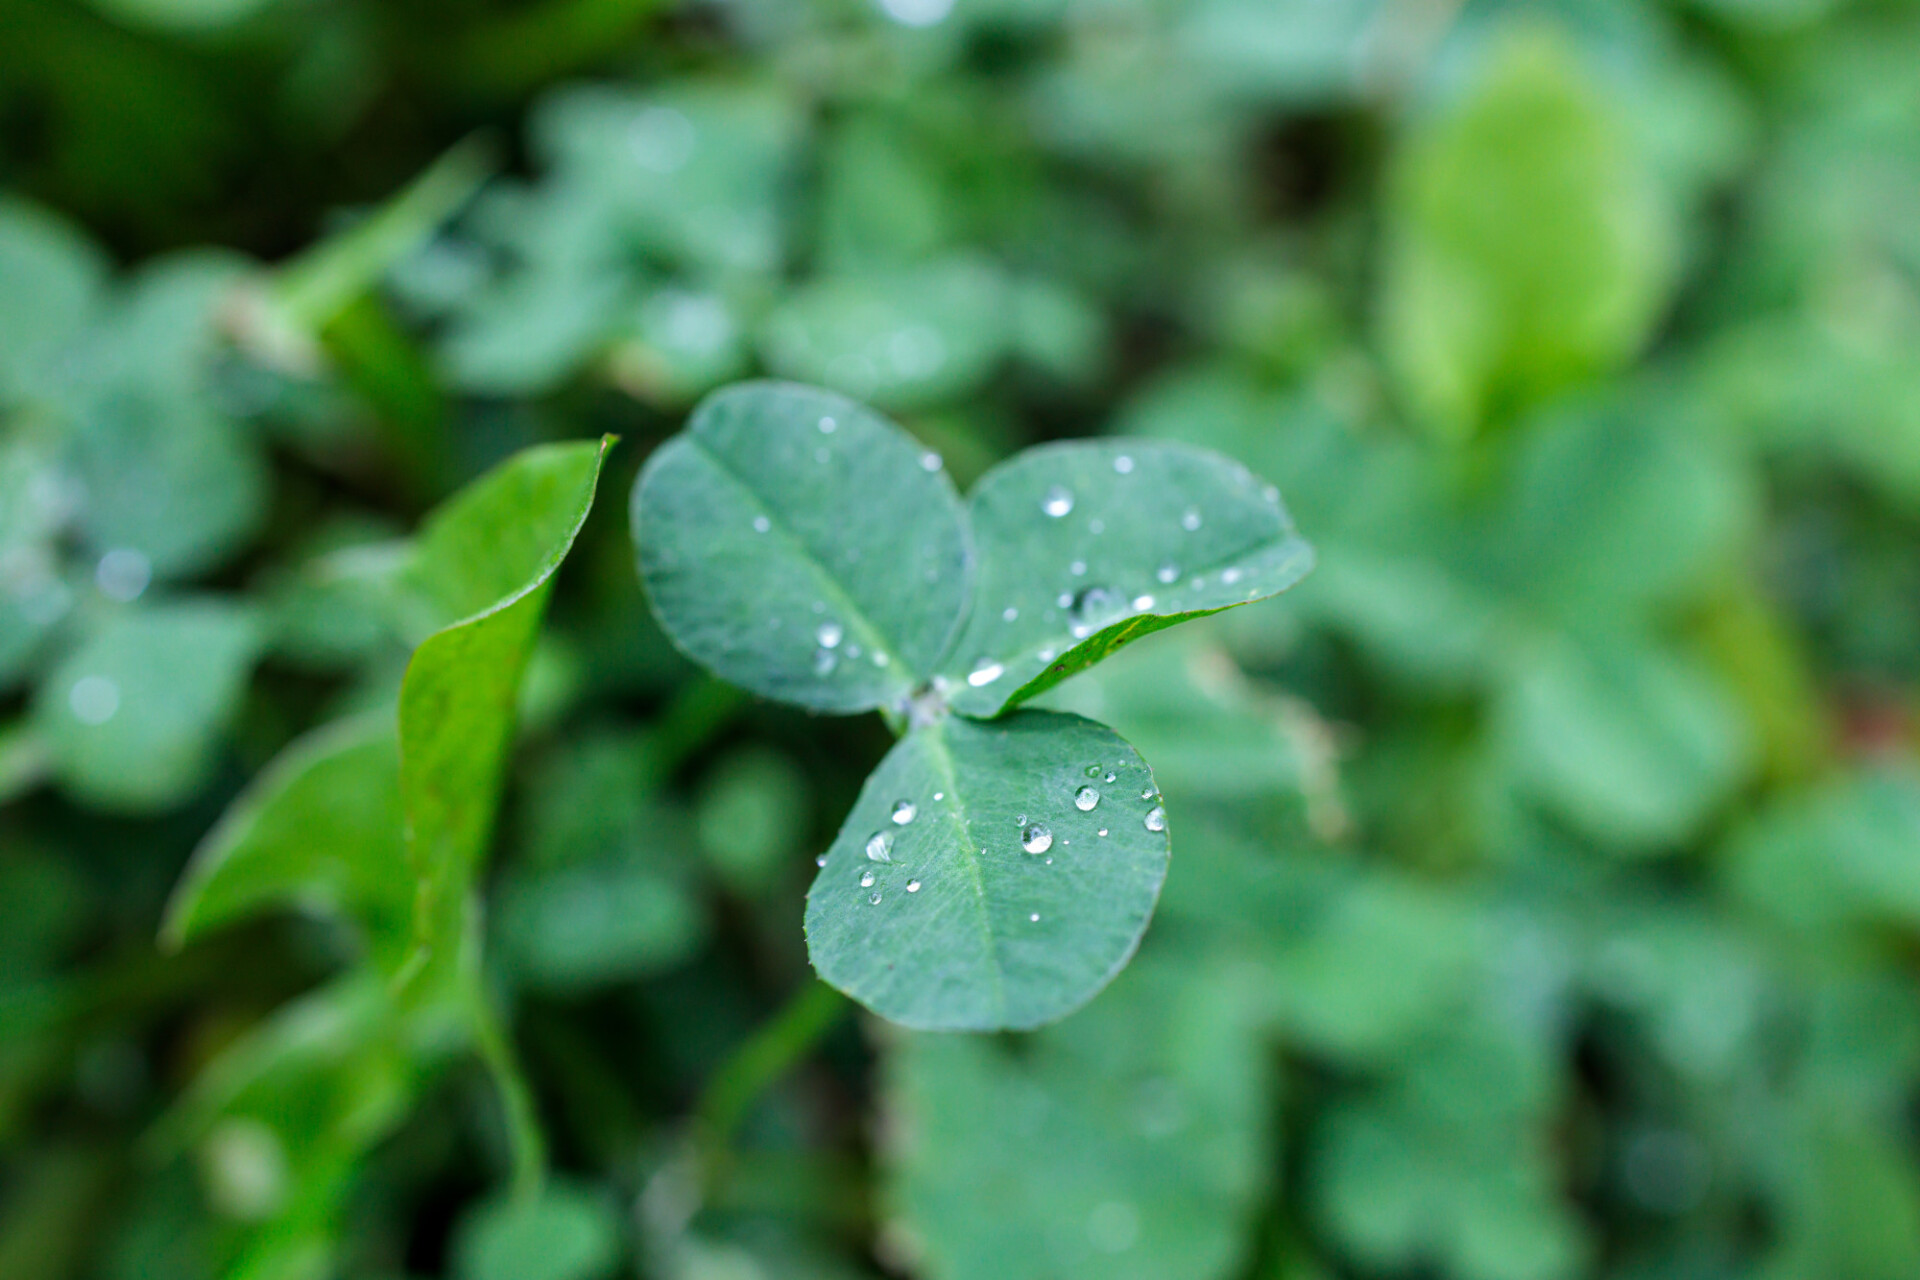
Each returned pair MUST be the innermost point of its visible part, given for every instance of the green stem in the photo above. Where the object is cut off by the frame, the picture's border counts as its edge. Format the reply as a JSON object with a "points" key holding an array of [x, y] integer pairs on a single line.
{"points": [[769, 1054], [526, 1145]]}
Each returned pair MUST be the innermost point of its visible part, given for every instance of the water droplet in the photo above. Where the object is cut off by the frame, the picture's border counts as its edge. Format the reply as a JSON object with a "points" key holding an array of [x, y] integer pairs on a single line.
{"points": [[1035, 917], [93, 699], [1167, 572], [853, 651], [939, 795], [1093, 608], [880, 658], [1110, 776], [1047, 655], [874, 897], [1190, 519], [1078, 568], [1020, 820], [824, 662], [1058, 502], [929, 461], [761, 524], [1123, 464], [1093, 771], [1085, 799], [1101, 832], [913, 886], [1064, 599], [984, 673], [1142, 603], [828, 426], [1037, 838], [1230, 576], [1009, 613], [866, 880], [828, 634], [904, 811], [1270, 493], [880, 846], [1156, 819], [122, 574], [820, 861]]}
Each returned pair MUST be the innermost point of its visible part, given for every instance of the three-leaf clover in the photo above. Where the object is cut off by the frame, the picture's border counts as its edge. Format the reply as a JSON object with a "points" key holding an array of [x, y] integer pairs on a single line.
{"points": [[1001, 864]]}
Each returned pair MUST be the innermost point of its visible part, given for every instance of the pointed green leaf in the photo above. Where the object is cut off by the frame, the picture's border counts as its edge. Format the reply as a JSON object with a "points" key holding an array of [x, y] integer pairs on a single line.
{"points": [[1125, 1143], [493, 550], [1001, 901], [130, 719], [1089, 545], [318, 830], [802, 546]]}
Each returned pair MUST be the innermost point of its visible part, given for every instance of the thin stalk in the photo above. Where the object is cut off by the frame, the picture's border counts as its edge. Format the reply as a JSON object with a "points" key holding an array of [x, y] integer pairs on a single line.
{"points": [[768, 1054]]}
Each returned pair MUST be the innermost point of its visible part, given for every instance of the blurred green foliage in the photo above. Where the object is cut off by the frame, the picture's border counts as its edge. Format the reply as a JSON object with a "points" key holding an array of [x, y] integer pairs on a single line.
{"points": [[1543, 891]]}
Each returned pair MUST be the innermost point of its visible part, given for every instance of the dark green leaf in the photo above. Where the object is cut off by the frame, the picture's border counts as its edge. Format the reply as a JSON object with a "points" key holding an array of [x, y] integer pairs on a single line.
{"points": [[802, 547], [1086, 546], [1018, 884]]}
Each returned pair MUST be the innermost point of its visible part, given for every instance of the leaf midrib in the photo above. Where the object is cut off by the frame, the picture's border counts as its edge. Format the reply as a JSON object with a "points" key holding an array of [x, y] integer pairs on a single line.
{"points": [[874, 637], [970, 858]]}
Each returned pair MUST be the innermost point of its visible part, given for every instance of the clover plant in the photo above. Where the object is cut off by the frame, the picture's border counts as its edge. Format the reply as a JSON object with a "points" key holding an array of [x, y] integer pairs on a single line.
{"points": [[1002, 862]]}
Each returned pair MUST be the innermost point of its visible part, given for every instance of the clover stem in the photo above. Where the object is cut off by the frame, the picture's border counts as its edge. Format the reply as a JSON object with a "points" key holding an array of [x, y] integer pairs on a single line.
{"points": [[767, 1055]]}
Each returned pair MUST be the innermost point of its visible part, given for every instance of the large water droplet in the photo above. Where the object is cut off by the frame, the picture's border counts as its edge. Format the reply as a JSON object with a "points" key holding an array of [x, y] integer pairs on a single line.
{"points": [[1058, 502], [904, 811], [1085, 799], [1037, 838], [828, 634], [880, 846], [1156, 819], [1167, 572], [984, 672], [1190, 519]]}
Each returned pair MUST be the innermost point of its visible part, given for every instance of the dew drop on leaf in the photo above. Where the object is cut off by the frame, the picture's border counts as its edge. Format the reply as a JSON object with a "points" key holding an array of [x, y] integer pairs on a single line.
{"points": [[1078, 568], [984, 672], [1037, 838], [761, 524], [1009, 613], [866, 881], [1167, 572], [929, 461], [1111, 775], [1190, 519], [824, 662], [828, 426], [820, 861], [1142, 603], [1156, 819], [880, 846], [1123, 464], [1093, 771], [1035, 917], [913, 886], [874, 898], [1230, 576], [1085, 799], [1058, 502], [828, 634], [904, 811]]}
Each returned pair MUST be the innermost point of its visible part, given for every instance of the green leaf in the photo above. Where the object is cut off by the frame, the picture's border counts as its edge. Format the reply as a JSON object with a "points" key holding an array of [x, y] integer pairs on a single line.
{"points": [[318, 830], [566, 1234], [1630, 743], [1000, 901], [1529, 246], [487, 557], [131, 717], [1841, 854], [803, 547], [1125, 1143], [51, 278], [1088, 545]]}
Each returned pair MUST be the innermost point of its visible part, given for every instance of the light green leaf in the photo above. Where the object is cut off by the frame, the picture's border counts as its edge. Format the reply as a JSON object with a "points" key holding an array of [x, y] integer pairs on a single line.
{"points": [[566, 1234], [1125, 1143], [131, 717], [1528, 245], [51, 278], [1086, 546], [318, 830], [488, 556], [1018, 884], [1841, 854], [1631, 744], [802, 546]]}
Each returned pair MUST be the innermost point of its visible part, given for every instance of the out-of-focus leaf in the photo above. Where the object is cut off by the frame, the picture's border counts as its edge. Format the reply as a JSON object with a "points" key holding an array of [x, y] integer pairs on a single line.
{"points": [[131, 718], [990, 875], [1633, 745], [488, 558], [1529, 247], [1843, 854], [1085, 547], [1125, 1142], [51, 279], [803, 547], [566, 1234], [752, 815], [319, 830]]}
